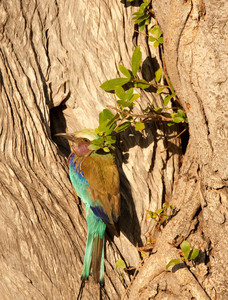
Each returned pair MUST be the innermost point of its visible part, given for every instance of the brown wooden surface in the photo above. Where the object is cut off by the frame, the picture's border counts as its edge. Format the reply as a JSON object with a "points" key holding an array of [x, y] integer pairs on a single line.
{"points": [[53, 57]]}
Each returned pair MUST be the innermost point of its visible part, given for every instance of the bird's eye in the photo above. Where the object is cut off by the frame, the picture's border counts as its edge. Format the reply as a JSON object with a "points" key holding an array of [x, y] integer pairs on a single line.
{"points": [[86, 140]]}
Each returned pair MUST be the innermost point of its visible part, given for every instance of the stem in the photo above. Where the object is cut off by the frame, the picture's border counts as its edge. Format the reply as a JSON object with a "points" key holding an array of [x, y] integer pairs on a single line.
{"points": [[155, 116], [178, 135], [145, 34], [121, 121], [174, 139], [154, 85], [127, 289]]}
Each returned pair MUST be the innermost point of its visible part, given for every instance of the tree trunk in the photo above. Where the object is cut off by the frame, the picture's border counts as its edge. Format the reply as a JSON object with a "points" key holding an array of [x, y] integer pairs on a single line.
{"points": [[195, 54], [53, 57]]}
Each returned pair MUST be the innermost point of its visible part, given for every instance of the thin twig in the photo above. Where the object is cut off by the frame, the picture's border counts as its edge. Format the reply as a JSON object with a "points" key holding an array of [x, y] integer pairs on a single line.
{"points": [[121, 121], [151, 84], [144, 34], [136, 270], [178, 135], [155, 116], [174, 139]]}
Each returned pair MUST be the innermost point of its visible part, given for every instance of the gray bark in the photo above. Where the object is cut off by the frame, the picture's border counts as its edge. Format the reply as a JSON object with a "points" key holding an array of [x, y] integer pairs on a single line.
{"points": [[54, 56]]}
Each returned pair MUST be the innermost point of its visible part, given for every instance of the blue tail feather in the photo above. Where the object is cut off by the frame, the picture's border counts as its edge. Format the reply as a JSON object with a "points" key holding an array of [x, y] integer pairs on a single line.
{"points": [[94, 253]]}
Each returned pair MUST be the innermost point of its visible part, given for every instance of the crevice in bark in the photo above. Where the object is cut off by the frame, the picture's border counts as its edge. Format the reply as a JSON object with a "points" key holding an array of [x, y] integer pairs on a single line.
{"points": [[58, 125], [184, 139]]}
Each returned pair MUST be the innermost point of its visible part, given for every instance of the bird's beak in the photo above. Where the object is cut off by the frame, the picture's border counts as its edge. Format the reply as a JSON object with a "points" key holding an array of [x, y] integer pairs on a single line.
{"points": [[69, 137]]}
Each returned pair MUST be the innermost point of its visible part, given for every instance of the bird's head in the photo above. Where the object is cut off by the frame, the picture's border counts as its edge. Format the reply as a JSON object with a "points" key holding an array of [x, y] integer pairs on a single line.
{"points": [[80, 140]]}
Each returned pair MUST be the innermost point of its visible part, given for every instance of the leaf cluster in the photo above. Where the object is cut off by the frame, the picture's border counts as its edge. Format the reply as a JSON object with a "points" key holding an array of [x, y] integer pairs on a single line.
{"points": [[106, 139], [142, 17], [131, 76], [188, 254], [179, 117], [155, 35], [111, 124], [162, 215]]}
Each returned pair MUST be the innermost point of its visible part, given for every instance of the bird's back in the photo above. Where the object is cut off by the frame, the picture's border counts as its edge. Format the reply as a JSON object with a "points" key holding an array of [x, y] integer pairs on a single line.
{"points": [[96, 181]]}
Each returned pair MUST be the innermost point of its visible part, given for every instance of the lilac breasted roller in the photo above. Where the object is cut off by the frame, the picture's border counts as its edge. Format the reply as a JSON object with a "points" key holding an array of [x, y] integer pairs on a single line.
{"points": [[95, 178]]}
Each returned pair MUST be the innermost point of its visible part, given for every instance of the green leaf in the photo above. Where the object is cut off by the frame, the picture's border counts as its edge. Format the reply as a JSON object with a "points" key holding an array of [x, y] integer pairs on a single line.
{"points": [[105, 127], [160, 40], [119, 91], [173, 115], [159, 91], [136, 60], [154, 215], [155, 32], [147, 22], [170, 124], [106, 149], [93, 147], [193, 254], [140, 19], [159, 211], [158, 110], [107, 122], [139, 126], [120, 264], [124, 71], [109, 140], [129, 94], [156, 44], [142, 25], [142, 85], [158, 75], [173, 95], [98, 142], [109, 128], [165, 206], [171, 86], [123, 103], [149, 215], [178, 119], [134, 97], [185, 247], [181, 113], [111, 84], [105, 115], [166, 100], [145, 3], [152, 39], [172, 262], [137, 14], [122, 127]]}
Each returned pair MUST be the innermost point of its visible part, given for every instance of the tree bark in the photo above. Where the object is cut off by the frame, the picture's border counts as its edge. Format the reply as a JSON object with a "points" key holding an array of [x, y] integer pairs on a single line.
{"points": [[53, 58], [195, 53]]}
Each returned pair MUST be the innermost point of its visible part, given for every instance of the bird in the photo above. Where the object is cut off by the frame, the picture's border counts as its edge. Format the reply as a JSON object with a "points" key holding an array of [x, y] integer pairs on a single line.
{"points": [[95, 178]]}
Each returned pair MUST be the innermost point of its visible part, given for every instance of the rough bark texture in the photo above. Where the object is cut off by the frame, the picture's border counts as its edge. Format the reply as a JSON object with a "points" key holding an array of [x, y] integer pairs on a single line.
{"points": [[53, 57], [195, 54]]}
